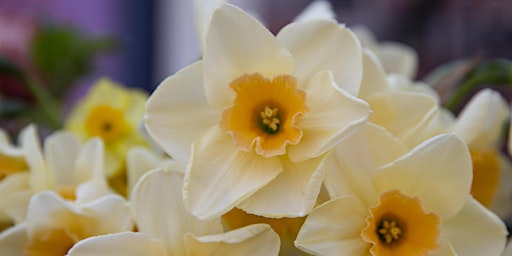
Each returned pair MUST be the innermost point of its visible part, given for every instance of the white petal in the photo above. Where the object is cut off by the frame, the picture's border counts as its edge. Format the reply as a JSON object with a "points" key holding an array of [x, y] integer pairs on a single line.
{"points": [[13, 241], [439, 172], [219, 176], [158, 209], [39, 176], [441, 122], [318, 9], [481, 121], [351, 164], [398, 58], [238, 44], [333, 115], [393, 110], [334, 228], [292, 193], [113, 212], [445, 249], [6, 148], [257, 239], [177, 112], [91, 190], [501, 204], [119, 244], [374, 78], [42, 209], [475, 231], [15, 196], [203, 10], [90, 162], [319, 45], [60, 151]]}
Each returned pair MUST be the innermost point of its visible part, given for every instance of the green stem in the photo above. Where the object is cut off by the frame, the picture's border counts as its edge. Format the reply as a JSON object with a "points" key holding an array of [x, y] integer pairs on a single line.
{"points": [[49, 106]]}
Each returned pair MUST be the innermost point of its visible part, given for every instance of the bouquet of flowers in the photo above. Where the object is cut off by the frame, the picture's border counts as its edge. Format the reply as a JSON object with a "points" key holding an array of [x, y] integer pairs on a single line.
{"points": [[314, 141]]}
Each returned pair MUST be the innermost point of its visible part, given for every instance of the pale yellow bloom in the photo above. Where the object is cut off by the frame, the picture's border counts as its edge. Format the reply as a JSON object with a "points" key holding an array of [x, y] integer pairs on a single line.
{"points": [[113, 113], [254, 119]]}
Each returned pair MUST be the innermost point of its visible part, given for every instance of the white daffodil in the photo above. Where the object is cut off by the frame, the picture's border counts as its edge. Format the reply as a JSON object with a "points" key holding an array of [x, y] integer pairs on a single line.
{"points": [[396, 58], [166, 228], [53, 225], [261, 112], [418, 204], [402, 109]]}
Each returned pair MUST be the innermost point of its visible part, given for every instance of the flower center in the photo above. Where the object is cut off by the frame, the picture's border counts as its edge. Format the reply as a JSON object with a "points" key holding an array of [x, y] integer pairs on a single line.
{"points": [[9, 165], [106, 122], [264, 113], [388, 231], [270, 120], [486, 176], [398, 225]]}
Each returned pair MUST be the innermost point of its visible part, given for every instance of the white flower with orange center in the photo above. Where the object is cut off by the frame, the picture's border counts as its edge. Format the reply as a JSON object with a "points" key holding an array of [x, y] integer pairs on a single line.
{"points": [[53, 225], [166, 228], [418, 204], [259, 113]]}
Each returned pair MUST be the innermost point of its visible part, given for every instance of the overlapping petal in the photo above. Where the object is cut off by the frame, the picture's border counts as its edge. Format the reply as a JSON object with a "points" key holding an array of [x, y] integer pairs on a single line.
{"points": [[334, 114], [257, 239], [324, 45], [398, 58], [60, 151], [13, 240], [298, 185], [177, 113], [439, 171], [334, 228], [221, 176], [238, 44], [158, 210], [374, 78]]}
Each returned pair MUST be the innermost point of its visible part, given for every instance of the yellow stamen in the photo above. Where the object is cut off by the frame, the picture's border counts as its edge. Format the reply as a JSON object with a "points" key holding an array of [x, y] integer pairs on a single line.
{"points": [[264, 113], [486, 175], [398, 225], [106, 122]]}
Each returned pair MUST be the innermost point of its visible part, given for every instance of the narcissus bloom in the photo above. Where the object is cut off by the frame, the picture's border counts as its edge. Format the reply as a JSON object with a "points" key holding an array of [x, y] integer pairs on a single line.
{"points": [[53, 225], [166, 228], [418, 204], [261, 112], [113, 113]]}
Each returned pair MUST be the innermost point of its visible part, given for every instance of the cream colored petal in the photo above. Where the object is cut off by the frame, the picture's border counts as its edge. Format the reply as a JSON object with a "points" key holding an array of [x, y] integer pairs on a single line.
{"points": [[445, 249], [13, 240], [91, 190], [90, 162], [398, 58], [374, 77], [257, 239], [219, 176], [508, 249], [238, 44], [39, 175], [402, 113], [157, 206], [352, 162], [319, 45], [6, 148], [113, 213], [439, 172], [60, 151], [502, 205], [333, 115], [120, 244], [203, 10], [475, 231], [292, 193], [43, 209], [140, 160], [177, 112], [441, 122], [318, 9], [481, 121], [15, 196], [334, 228]]}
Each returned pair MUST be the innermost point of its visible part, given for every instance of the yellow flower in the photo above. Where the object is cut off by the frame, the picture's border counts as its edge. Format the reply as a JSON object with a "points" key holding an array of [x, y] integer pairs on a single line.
{"points": [[417, 204], [53, 225], [166, 228], [261, 112], [113, 113]]}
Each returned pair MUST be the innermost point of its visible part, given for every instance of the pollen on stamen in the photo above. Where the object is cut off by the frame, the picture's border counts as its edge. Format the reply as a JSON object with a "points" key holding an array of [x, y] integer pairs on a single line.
{"points": [[269, 119]]}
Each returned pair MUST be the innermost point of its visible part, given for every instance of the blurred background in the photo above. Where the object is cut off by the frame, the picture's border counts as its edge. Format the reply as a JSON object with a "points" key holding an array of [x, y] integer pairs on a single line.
{"points": [[155, 38]]}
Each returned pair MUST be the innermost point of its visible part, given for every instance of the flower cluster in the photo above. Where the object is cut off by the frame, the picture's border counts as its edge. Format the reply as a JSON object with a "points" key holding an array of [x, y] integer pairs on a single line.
{"points": [[314, 141]]}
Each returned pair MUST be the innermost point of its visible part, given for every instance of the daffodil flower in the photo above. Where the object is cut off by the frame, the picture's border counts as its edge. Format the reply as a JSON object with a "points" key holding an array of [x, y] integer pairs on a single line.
{"points": [[417, 204], [113, 113], [261, 112], [53, 225], [166, 228]]}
